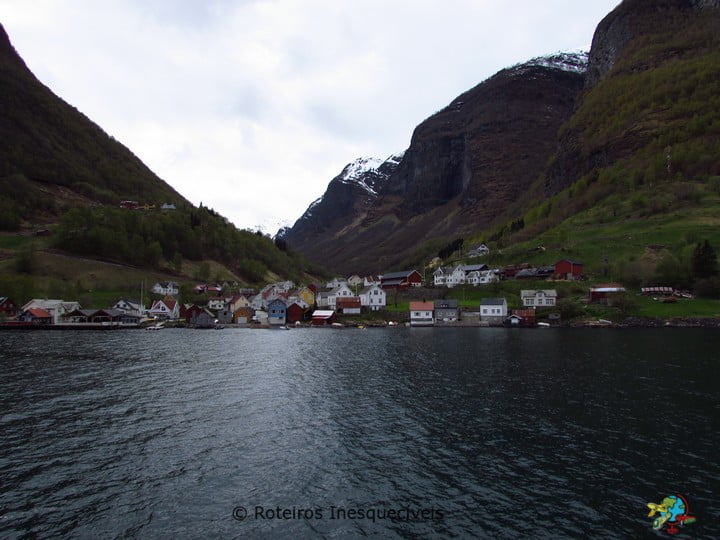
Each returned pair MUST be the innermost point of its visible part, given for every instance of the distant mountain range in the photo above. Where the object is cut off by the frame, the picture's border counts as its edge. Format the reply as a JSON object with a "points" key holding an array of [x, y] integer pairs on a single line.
{"points": [[520, 139]]}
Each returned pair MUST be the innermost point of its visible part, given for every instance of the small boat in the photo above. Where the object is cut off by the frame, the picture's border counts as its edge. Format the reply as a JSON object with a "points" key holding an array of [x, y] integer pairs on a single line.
{"points": [[156, 326], [543, 325]]}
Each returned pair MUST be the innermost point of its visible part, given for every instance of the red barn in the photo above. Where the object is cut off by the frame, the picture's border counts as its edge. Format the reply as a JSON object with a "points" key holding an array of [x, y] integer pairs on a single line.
{"points": [[401, 280], [323, 317], [295, 312], [567, 269]]}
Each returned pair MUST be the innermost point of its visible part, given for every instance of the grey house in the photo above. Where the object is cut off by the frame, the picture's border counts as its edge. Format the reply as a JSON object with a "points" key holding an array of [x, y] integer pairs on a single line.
{"points": [[446, 310]]}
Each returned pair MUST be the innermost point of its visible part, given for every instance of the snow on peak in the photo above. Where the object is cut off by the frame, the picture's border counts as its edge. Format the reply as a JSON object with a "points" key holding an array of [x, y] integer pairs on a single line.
{"points": [[356, 171], [574, 61]]}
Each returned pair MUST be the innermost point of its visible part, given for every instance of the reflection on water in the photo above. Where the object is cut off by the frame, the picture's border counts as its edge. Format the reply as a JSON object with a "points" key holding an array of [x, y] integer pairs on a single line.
{"points": [[397, 432]]}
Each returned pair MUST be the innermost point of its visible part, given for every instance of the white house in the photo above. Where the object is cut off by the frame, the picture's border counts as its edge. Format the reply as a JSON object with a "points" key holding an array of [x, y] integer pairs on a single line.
{"points": [[539, 298], [478, 251], [482, 277], [354, 281], [216, 304], [373, 298], [129, 307], [56, 308], [440, 276], [457, 275], [341, 290], [165, 287], [322, 299], [421, 313], [335, 282], [167, 308], [493, 310]]}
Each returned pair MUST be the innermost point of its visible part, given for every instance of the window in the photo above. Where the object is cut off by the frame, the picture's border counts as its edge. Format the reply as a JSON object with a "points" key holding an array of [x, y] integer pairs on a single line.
{"points": [[539, 301]]}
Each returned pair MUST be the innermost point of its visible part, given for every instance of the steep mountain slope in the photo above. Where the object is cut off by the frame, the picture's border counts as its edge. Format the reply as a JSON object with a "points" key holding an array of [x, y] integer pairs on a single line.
{"points": [[466, 165], [652, 95], [637, 138], [50, 152]]}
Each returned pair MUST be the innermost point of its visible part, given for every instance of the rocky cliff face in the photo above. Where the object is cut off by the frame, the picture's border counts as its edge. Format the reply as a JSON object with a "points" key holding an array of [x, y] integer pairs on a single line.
{"points": [[465, 166], [348, 197], [628, 20], [636, 37]]}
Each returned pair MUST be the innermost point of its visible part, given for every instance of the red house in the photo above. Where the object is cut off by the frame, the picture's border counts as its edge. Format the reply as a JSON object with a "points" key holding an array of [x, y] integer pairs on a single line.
{"points": [[190, 312], [401, 280], [323, 317], [602, 293], [349, 305], [8, 308], [566, 269], [294, 313]]}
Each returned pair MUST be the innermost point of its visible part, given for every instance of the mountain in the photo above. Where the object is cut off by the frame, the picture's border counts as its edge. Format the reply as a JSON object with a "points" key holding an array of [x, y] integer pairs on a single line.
{"points": [[466, 164], [627, 132], [63, 176], [53, 157]]}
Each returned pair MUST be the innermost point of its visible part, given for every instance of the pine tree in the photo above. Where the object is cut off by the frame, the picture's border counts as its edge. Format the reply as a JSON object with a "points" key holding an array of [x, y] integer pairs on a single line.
{"points": [[704, 261]]}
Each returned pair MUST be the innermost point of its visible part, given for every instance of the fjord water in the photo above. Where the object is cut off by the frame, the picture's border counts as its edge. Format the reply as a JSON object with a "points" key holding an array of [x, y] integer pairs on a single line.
{"points": [[498, 433]]}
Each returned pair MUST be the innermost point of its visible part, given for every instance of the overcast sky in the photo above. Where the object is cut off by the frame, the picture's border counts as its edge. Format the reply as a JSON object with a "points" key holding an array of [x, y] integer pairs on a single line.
{"points": [[252, 106]]}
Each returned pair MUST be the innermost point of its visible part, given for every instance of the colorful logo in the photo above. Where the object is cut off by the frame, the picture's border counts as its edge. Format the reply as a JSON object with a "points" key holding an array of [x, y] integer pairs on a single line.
{"points": [[674, 512]]}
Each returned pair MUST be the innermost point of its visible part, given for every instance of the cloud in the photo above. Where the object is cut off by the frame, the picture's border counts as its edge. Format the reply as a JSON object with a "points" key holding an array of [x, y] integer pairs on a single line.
{"points": [[253, 107]]}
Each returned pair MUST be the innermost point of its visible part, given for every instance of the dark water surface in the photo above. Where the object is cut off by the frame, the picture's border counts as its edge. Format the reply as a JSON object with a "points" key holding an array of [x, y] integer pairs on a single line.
{"points": [[466, 432]]}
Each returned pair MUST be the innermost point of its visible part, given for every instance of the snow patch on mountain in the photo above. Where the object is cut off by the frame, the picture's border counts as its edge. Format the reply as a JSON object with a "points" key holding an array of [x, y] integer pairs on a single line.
{"points": [[573, 61], [367, 168]]}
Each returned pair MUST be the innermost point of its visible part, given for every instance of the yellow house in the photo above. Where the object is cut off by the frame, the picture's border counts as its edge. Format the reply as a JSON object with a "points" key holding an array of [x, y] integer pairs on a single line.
{"points": [[306, 295]]}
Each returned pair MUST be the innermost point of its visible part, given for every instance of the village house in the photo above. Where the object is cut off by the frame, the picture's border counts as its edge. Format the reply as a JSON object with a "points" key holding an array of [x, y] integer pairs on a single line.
{"points": [[401, 280], [36, 316], [129, 307], [216, 304], [323, 317], [482, 277], [601, 294], [296, 312], [373, 298], [335, 282], [538, 298], [203, 319], [447, 310], [165, 288], [421, 313], [322, 299], [188, 312], [348, 305], [237, 301], [371, 280], [522, 317], [56, 308], [341, 291], [277, 312], [307, 295], [225, 316], [165, 309], [478, 251], [567, 269], [355, 282], [8, 308], [493, 310], [243, 315]]}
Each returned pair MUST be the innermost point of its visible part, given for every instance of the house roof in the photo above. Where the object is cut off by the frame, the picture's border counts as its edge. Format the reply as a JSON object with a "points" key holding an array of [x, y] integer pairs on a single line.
{"points": [[397, 275], [492, 302], [39, 313], [569, 261], [323, 313], [474, 267], [397, 281], [369, 288], [348, 302], [450, 303], [532, 292], [526, 272], [422, 306]]}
